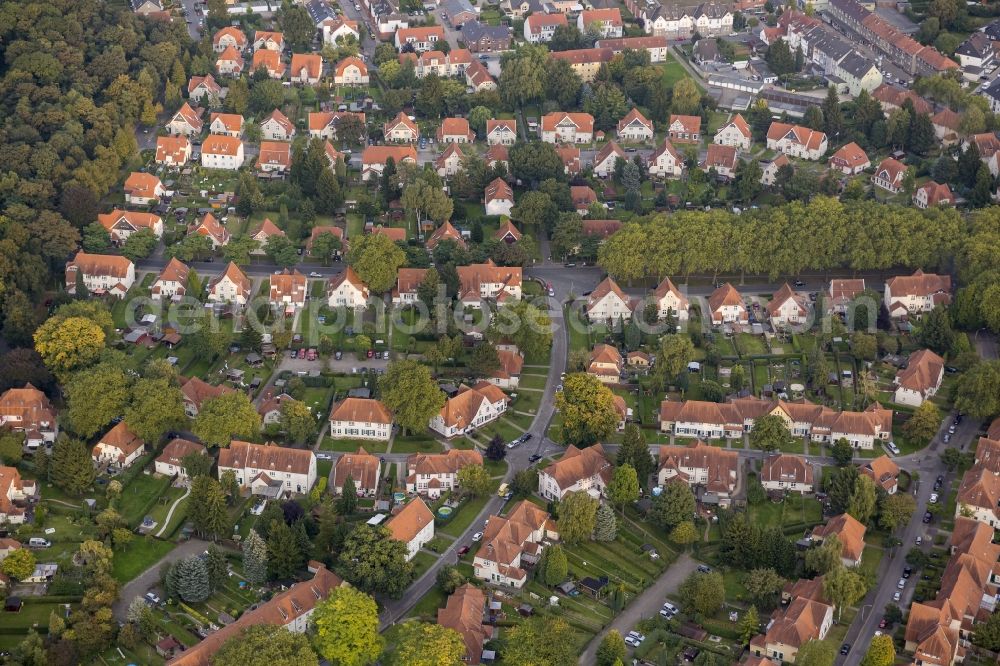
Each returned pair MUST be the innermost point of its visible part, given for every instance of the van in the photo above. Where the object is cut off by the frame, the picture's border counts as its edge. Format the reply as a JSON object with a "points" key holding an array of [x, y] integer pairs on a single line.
{"points": [[504, 487], [38, 542]]}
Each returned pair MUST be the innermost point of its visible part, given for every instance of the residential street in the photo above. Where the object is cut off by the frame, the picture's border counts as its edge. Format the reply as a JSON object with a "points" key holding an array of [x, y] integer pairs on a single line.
{"points": [[647, 604]]}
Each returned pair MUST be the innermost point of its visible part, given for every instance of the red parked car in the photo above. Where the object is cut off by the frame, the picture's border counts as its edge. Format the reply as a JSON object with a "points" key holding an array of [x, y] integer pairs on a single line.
{"points": [[371, 353], [311, 355]]}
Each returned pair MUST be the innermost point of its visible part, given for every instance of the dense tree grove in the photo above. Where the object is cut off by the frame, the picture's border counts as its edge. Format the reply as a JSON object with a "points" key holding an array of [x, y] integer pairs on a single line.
{"points": [[786, 240], [78, 77]]}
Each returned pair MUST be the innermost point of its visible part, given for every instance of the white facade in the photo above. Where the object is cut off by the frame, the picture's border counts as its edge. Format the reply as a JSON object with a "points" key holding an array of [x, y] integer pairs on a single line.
{"points": [[609, 306], [223, 160], [360, 430]]}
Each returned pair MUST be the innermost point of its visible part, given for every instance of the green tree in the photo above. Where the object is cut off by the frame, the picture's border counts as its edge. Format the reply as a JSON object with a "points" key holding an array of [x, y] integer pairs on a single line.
{"points": [[686, 99], [611, 651], [842, 452], [605, 524], [189, 577], [409, 392], [881, 652], [935, 331], [254, 558], [923, 424], [895, 510], [156, 407], [207, 507], [475, 480], [217, 567], [346, 628], [764, 586], [977, 393], [297, 420], [524, 325], [375, 562], [71, 467], [862, 501], [770, 433], [816, 653], [826, 557], [69, 343], [987, 634], [684, 533], [284, 554], [676, 504], [702, 593], [588, 410], [555, 566], [425, 644], [376, 258], [864, 347], [11, 447], [484, 359], [623, 488], [449, 579], [635, 452], [833, 119], [577, 517], [749, 625], [348, 502], [676, 351], [19, 564], [541, 640], [266, 645], [95, 396], [227, 417]]}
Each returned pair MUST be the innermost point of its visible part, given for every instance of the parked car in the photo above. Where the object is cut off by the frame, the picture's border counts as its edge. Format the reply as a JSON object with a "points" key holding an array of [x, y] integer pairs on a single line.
{"points": [[933, 498], [901, 584], [463, 550], [893, 448], [907, 571], [371, 353], [845, 648], [704, 569], [152, 598], [920, 540], [927, 516], [477, 536], [896, 596], [315, 274], [311, 355], [534, 457]]}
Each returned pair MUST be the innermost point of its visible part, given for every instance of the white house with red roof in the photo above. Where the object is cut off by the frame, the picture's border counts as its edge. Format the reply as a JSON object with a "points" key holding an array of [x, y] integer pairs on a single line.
{"points": [[277, 127], [271, 62], [231, 286], [850, 160], [635, 127], [412, 525], [455, 130], [171, 283], [448, 163], [15, 494], [230, 62], [346, 290], [185, 122], [351, 71], [563, 127], [787, 307], [142, 189], [401, 129], [205, 90], [222, 152], [172, 151], [684, 129], [932, 194], [100, 274], [917, 293], [796, 141], [608, 22], [274, 156], [360, 418], [306, 68], [289, 290], [28, 410], [920, 379], [213, 229], [670, 300], [229, 37], [725, 305], [263, 233], [121, 224], [539, 26], [338, 28], [606, 159], [271, 41], [889, 175], [498, 197], [736, 133], [227, 124], [501, 132], [666, 162], [423, 38], [471, 408], [609, 302], [478, 282], [119, 446]]}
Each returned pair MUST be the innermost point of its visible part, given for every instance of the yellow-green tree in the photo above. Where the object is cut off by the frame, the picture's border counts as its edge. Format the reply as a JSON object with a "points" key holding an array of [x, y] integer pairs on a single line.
{"points": [[347, 628], [423, 644], [70, 343], [19, 564], [881, 652], [588, 410], [226, 417]]}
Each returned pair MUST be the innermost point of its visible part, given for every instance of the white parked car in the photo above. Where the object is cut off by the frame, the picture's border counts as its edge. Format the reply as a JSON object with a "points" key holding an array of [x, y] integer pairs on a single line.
{"points": [[901, 584], [893, 448], [477, 536], [933, 499], [896, 596]]}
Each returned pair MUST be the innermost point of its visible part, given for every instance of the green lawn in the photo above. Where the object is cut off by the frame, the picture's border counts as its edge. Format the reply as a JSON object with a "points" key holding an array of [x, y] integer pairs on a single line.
{"points": [[461, 520], [139, 496], [422, 562], [673, 72], [351, 445], [531, 382], [794, 509], [416, 444], [138, 556]]}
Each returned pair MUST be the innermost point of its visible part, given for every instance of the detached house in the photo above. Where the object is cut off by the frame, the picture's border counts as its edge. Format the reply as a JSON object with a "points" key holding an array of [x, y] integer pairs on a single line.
{"points": [[609, 303], [373, 159], [508, 374], [666, 162], [119, 446], [205, 90], [889, 175], [791, 627], [222, 152], [274, 157], [917, 293], [684, 129], [565, 127], [408, 281], [270, 62], [501, 132], [264, 233], [932, 194], [435, 474], [351, 71], [700, 465], [346, 290], [721, 159], [171, 461], [226, 124], [271, 41], [448, 163], [498, 198], [288, 290], [605, 364], [229, 37], [851, 534], [539, 27], [421, 39], [478, 282], [232, 286], [842, 293], [364, 469], [796, 141], [210, 227], [850, 160], [100, 274], [469, 409], [512, 543], [14, 495], [585, 470], [669, 300], [171, 283], [186, 122], [920, 379], [277, 127], [401, 129], [360, 418], [230, 62], [142, 189], [455, 130], [172, 151], [606, 159], [464, 612], [269, 470], [979, 496], [413, 525], [735, 133], [883, 471], [607, 22], [446, 231], [338, 28], [725, 305], [583, 197], [782, 471], [197, 391], [28, 410], [788, 307], [307, 68]]}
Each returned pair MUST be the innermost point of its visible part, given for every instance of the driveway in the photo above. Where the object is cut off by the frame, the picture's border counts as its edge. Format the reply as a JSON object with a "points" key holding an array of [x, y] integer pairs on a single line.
{"points": [[150, 578], [647, 604]]}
